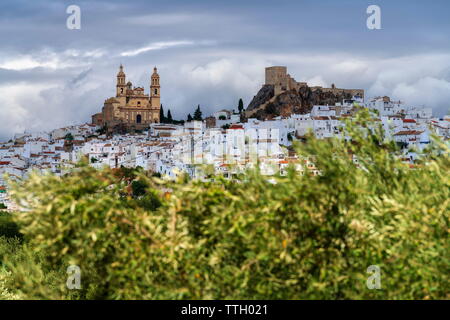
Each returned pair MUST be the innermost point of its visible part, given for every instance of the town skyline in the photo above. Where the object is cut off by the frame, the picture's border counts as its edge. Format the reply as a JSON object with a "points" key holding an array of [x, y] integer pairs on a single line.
{"points": [[68, 73]]}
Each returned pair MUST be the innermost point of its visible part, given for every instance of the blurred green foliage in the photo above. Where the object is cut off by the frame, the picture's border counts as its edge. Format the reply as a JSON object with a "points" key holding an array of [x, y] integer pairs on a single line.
{"points": [[295, 237], [8, 228]]}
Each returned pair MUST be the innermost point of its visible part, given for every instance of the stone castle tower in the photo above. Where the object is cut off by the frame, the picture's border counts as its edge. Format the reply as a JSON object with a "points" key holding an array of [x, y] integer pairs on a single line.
{"points": [[131, 107], [282, 95], [278, 77]]}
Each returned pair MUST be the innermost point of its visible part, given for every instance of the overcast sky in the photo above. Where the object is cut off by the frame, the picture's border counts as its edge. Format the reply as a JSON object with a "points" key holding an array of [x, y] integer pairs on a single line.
{"points": [[212, 53]]}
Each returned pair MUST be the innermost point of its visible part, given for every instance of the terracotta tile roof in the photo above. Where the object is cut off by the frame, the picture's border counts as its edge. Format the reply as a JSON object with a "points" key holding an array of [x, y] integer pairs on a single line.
{"points": [[408, 132], [321, 118]]}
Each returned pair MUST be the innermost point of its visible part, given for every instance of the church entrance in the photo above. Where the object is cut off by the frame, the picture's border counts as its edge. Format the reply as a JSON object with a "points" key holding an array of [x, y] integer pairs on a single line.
{"points": [[138, 118]]}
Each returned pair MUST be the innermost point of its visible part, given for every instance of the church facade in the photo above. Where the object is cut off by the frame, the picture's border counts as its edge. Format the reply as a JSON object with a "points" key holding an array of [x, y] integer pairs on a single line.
{"points": [[131, 108]]}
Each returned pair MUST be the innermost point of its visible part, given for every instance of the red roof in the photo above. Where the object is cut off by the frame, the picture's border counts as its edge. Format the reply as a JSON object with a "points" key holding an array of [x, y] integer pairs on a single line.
{"points": [[408, 132], [409, 120]]}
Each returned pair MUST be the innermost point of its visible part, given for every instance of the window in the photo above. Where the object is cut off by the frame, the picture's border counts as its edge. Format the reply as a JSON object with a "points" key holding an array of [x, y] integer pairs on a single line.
{"points": [[138, 118], [156, 91]]}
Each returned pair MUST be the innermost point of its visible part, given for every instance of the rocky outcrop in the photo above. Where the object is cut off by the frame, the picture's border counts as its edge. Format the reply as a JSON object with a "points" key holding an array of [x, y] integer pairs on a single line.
{"points": [[264, 94], [266, 105]]}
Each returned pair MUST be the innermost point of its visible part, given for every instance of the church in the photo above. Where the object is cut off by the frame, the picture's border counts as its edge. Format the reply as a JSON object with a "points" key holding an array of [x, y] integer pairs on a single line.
{"points": [[131, 108]]}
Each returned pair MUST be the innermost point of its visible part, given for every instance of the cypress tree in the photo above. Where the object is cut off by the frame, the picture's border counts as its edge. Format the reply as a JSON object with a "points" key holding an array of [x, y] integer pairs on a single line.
{"points": [[241, 105], [162, 118], [198, 114]]}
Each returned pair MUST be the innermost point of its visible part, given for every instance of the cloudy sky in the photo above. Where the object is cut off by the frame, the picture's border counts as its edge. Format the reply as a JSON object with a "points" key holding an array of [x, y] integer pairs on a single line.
{"points": [[212, 53]]}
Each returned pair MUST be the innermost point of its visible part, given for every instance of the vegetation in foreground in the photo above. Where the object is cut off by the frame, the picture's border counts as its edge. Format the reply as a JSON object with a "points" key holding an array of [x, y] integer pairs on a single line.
{"points": [[300, 237]]}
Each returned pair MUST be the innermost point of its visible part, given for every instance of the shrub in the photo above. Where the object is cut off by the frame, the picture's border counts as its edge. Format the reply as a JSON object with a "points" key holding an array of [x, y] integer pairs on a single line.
{"points": [[294, 237], [8, 228], [8, 247]]}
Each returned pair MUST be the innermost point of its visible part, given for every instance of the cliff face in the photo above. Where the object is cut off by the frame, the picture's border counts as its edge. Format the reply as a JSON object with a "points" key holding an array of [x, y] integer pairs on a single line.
{"points": [[264, 94], [266, 105]]}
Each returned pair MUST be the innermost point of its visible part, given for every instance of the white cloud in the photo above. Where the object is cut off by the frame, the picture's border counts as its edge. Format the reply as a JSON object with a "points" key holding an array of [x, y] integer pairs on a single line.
{"points": [[317, 81], [50, 59], [426, 91], [14, 106], [214, 84], [40, 105], [27, 62], [94, 53], [156, 46]]}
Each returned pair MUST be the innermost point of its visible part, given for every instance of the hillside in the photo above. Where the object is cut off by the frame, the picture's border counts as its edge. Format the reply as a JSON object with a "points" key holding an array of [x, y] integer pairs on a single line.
{"points": [[266, 104]]}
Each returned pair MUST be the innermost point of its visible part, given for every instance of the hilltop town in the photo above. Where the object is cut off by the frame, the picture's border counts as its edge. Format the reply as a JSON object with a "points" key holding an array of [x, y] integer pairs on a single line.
{"points": [[230, 141]]}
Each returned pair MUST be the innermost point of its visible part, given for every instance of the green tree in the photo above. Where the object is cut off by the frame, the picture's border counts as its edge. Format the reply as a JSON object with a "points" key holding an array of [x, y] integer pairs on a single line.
{"points": [[162, 118], [68, 137], [139, 188], [240, 105], [198, 114], [189, 117], [102, 130], [8, 228], [169, 117]]}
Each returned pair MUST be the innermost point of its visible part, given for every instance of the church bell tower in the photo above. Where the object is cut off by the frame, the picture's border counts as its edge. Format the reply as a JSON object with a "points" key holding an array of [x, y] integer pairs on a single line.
{"points": [[121, 87], [155, 94]]}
